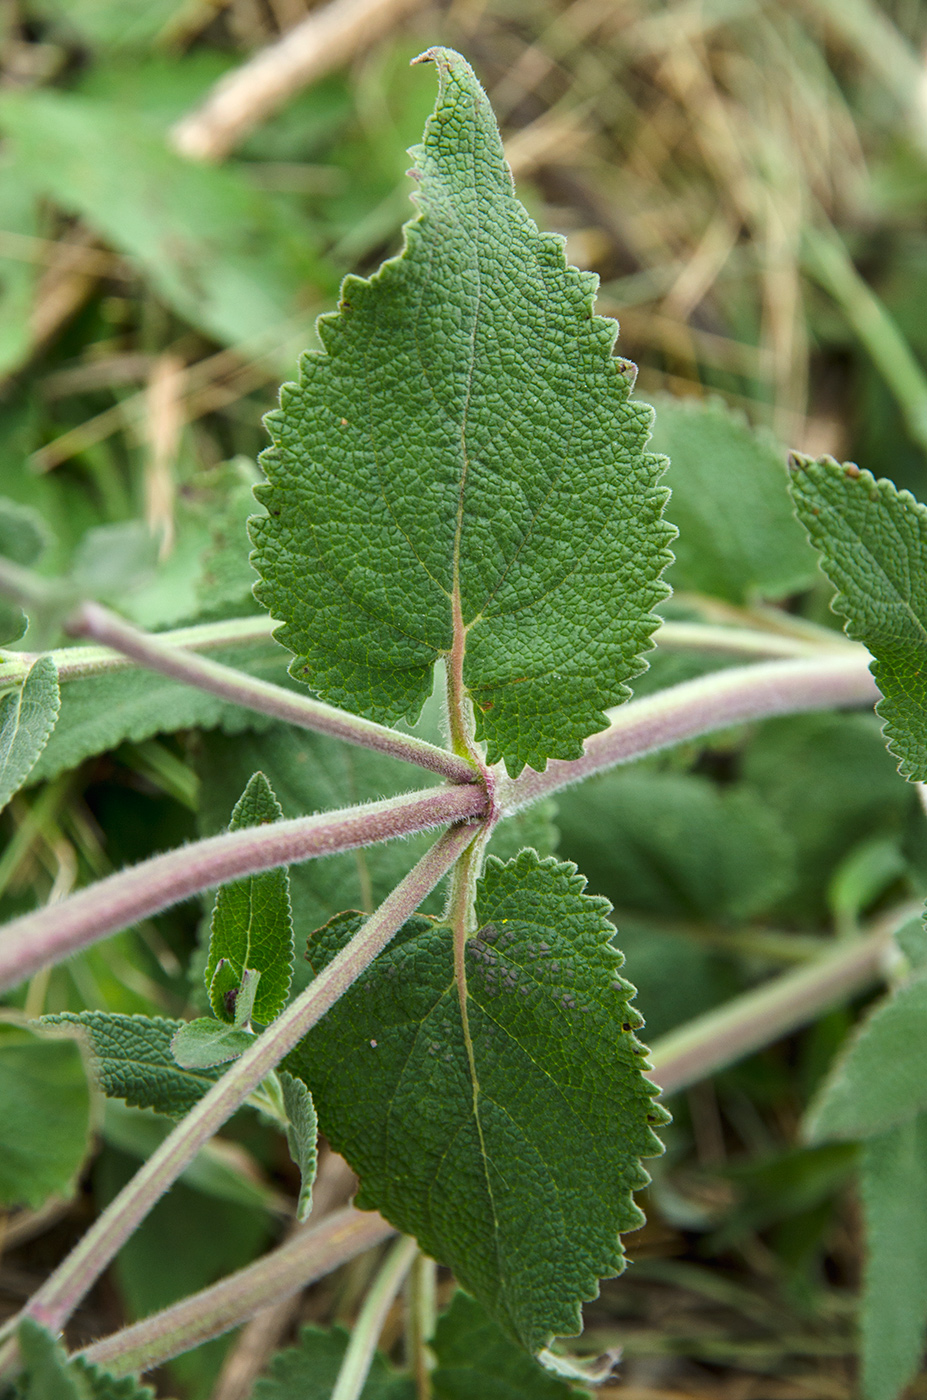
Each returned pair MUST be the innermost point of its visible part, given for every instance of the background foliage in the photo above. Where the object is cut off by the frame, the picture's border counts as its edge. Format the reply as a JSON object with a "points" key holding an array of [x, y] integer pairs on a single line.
{"points": [[748, 179]]}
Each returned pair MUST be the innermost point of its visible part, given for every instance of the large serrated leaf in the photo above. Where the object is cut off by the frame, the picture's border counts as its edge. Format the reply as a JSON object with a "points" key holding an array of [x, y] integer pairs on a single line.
{"points": [[893, 1188], [873, 543], [509, 1148], [27, 717], [252, 928], [132, 1058], [463, 467], [48, 1373]]}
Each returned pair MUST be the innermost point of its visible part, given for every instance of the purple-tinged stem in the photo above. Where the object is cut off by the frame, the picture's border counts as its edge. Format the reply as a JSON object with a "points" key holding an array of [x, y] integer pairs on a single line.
{"points": [[98, 623], [701, 707], [57, 1298], [308, 1256], [47, 935]]}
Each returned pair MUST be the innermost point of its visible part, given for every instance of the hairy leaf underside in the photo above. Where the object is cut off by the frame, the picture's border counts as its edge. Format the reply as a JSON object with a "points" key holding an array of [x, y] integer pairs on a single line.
{"points": [[509, 1145], [462, 468]]}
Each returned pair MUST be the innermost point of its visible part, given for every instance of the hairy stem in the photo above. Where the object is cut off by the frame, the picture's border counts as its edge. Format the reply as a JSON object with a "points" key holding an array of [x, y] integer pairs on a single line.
{"points": [[54, 932], [700, 707], [308, 1256], [84, 662], [366, 1331], [101, 625], [763, 1016], [55, 1301]]}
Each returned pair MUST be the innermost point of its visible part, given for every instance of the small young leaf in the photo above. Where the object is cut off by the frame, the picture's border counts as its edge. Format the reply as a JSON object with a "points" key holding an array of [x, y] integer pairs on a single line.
{"points": [[27, 717], [494, 494], [203, 1043], [132, 1058], [48, 1373], [873, 543], [252, 927], [301, 1135], [475, 1358], [309, 1371], [45, 1113], [880, 1080], [509, 1144], [738, 536], [893, 1187]]}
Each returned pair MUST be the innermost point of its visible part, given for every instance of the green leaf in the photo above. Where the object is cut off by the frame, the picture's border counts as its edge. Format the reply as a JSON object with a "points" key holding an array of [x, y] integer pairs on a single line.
{"points": [[511, 1148], [228, 258], [475, 1358], [203, 1043], [132, 1059], [27, 717], [880, 1079], [675, 844], [492, 484], [873, 543], [23, 539], [45, 1112], [893, 1187], [738, 536], [252, 927], [302, 1137], [829, 783], [309, 1371], [48, 1374]]}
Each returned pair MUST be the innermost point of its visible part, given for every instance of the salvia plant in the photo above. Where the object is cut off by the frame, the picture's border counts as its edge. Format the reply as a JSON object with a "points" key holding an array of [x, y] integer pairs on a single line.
{"points": [[459, 499]]}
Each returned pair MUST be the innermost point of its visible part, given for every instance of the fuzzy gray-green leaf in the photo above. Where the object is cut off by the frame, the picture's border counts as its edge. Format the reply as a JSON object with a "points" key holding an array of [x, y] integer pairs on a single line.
{"points": [[873, 543], [514, 1165], [463, 467], [132, 1059], [202, 1043], [301, 1135]]}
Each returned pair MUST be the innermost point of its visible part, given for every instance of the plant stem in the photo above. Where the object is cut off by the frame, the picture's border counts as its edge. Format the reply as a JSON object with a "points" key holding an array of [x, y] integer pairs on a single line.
{"points": [[748, 641], [700, 707], [92, 620], [57, 1298], [55, 932], [83, 662], [421, 1314], [366, 1331], [760, 1017], [307, 1256]]}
